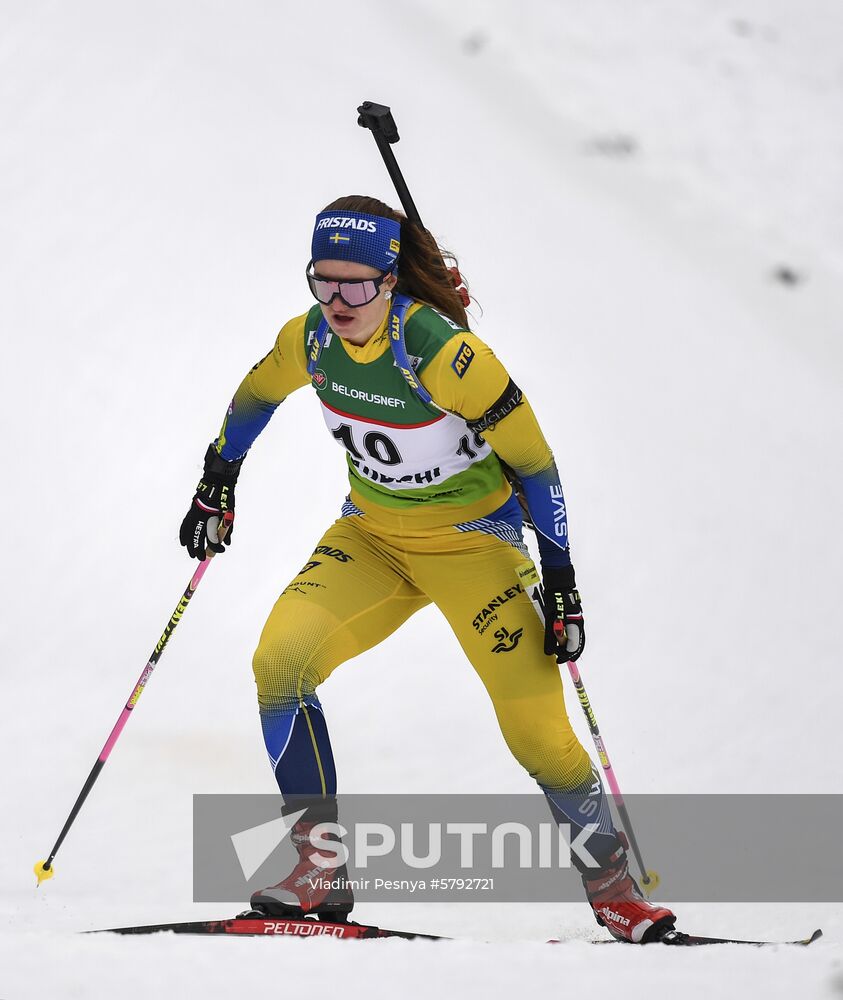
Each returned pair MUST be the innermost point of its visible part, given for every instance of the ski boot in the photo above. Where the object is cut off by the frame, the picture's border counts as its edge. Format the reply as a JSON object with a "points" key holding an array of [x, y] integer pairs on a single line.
{"points": [[309, 889], [619, 905]]}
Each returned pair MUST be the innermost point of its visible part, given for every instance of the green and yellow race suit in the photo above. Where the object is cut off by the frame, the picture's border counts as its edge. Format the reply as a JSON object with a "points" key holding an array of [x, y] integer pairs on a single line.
{"points": [[430, 518]]}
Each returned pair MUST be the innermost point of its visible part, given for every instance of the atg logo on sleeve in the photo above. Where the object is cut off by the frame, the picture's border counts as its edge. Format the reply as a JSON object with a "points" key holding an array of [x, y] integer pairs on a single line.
{"points": [[465, 355]]}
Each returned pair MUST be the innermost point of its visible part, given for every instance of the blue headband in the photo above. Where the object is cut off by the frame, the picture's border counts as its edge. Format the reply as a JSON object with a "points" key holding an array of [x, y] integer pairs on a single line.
{"points": [[358, 236]]}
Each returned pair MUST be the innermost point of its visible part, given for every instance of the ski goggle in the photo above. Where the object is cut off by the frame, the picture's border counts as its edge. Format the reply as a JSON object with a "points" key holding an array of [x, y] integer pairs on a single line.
{"points": [[352, 293]]}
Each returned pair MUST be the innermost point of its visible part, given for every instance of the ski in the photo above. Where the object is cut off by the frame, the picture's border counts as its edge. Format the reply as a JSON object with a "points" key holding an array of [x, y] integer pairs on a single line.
{"points": [[252, 924], [679, 938], [693, 940], [255, 925]]}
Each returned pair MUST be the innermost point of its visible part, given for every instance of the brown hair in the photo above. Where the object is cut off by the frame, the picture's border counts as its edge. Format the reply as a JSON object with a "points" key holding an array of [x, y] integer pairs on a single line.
{"points": [[422, 264]]}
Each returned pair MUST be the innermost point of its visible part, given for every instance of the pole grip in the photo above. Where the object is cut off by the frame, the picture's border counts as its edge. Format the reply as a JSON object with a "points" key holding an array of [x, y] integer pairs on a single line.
{"points": [[222, 531]]}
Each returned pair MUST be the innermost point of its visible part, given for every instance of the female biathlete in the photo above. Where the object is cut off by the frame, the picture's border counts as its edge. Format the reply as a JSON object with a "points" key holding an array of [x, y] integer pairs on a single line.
{"points": [[429, 420]]}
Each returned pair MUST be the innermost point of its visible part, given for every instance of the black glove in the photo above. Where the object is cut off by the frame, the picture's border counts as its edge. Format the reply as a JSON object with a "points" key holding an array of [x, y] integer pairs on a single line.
{"points": [[564, 630], [214, 496]]}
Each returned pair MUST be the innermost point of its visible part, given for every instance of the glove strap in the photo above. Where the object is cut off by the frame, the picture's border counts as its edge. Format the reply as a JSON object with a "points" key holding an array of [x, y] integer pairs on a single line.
{"points": [[216, 465]]}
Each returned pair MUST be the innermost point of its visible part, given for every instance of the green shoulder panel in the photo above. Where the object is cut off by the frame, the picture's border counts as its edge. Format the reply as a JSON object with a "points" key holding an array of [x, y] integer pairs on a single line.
{"points": [[426, 332]]}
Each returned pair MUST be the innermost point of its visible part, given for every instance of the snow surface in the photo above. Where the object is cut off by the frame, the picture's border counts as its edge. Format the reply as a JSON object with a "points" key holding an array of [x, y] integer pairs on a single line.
{"points": [[621, 183]]}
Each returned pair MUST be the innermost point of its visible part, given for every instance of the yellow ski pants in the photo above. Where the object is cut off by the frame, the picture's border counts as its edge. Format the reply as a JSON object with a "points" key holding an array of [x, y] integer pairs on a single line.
{"points": [[363, 581]]}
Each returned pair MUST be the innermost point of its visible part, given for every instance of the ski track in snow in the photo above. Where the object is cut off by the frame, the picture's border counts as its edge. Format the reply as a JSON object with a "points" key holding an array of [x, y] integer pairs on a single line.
{"points": [[160, 170]]}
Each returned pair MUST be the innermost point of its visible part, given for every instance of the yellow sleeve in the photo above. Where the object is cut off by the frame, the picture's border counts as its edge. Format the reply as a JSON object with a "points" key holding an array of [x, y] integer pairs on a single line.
{"points": [[518, 440], [284, 369], [472, 389], [270, 381]]}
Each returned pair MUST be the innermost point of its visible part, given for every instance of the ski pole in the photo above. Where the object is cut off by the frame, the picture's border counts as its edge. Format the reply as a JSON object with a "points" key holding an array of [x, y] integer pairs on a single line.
{"points": [[44, 869], [529, 578], [378, 118]]}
